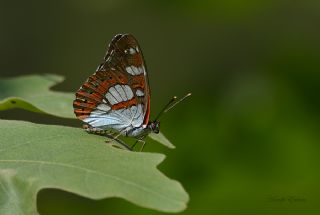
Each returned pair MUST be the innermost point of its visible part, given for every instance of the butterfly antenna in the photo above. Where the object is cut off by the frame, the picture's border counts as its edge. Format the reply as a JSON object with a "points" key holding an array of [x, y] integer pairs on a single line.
{"points": [[171, 104], [165, 107]]}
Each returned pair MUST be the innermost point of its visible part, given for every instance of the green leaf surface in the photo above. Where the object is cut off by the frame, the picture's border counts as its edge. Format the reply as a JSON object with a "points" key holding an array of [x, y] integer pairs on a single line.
{"points": [[32, 92], [161, 139], [34, 157]]}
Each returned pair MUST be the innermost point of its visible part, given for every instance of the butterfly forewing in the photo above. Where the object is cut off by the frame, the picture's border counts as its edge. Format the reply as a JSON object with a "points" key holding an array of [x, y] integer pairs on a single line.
{"points": [[117, 95]]}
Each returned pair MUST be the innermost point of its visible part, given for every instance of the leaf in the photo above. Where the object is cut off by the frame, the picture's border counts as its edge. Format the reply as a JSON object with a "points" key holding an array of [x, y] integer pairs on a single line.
{"points": [[31, 92], [34, 157], [161, 139]]}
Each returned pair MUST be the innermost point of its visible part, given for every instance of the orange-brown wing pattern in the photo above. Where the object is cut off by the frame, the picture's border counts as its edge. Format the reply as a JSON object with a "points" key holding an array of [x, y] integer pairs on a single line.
{"points": [[117, 95]]}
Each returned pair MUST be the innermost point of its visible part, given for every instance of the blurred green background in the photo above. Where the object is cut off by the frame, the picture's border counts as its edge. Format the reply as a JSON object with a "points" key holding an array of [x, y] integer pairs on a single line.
{"points": [[248, 138]]}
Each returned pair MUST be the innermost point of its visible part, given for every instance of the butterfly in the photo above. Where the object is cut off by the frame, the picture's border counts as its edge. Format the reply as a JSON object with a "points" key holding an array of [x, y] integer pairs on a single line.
{"points": [[116, 98]]}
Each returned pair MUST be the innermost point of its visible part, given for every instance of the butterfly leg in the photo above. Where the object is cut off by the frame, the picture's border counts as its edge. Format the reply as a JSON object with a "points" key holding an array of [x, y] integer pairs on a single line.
{"points": [[141, 139], [122, 144], [112, 138], [135, 143], [143, 145], [115, 138]]}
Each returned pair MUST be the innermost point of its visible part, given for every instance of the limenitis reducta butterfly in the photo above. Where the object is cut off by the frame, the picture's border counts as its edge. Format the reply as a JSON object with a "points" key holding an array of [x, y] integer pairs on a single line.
{"points": [[116, 98]]}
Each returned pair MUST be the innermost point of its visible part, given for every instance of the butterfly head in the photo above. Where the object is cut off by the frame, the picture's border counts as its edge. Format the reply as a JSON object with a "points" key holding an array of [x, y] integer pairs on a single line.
{"points": [[154, 126]]}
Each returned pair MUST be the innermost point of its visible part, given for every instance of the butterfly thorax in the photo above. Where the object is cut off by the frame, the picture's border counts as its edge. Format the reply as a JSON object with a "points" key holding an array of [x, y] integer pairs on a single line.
{"points": [[143, 131]]}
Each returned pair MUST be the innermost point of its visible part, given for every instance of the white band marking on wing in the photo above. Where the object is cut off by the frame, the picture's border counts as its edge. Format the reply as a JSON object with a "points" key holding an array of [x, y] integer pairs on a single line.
{"points": [[139, 93], [128, 92], [103, 107], [115, 94], [120, 91], [111, 99], [133, 70]]}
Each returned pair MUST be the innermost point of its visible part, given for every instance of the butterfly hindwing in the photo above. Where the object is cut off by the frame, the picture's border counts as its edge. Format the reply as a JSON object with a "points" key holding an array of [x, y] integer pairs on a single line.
{"points": [[117, 96]]}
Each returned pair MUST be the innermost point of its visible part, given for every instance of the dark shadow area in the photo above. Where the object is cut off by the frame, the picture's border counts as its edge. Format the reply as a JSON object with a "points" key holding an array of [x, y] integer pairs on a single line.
{"points": [[20, 114]]}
